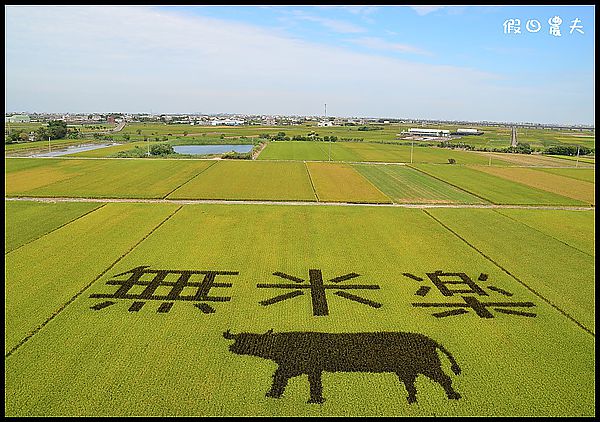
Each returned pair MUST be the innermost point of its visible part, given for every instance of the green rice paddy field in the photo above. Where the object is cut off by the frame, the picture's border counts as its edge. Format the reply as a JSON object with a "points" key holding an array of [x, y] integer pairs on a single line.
{"points": [[369, 152], [297, 181], [519, 325], [370, 306]]}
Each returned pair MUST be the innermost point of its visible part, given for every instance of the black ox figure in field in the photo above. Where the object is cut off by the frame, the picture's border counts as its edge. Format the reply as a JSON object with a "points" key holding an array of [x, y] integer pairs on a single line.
{"points": [[311, 353]]}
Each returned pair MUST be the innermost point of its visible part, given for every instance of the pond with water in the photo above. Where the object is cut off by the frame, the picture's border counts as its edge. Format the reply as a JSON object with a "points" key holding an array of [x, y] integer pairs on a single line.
{"points": [[211, 149], [72, 150]]}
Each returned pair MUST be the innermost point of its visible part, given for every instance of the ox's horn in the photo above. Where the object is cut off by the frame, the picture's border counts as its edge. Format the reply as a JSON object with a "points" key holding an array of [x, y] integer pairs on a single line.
{"points": [[228, 335]]}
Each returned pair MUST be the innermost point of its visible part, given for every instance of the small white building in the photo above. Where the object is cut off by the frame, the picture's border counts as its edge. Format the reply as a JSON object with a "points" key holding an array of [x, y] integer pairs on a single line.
{"points": [[428, 132], [226, 122], [18, 118], [325, 123], [468, 132]]}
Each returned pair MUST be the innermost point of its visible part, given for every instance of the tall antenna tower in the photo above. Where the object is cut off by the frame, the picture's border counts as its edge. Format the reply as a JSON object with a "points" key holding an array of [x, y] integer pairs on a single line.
{"points": [[325, 111]]}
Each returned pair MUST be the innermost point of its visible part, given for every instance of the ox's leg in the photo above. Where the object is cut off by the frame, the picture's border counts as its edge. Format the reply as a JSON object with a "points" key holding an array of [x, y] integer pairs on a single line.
{"points": [[280, 380], [316, 387], [409, 383], [444, 380]]}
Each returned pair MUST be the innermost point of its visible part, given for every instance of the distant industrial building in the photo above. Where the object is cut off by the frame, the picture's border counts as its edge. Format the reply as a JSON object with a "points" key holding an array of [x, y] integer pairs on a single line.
{"points": [[325, 123], [18, 118], [468, 132], [226, 122], [428, 132]]}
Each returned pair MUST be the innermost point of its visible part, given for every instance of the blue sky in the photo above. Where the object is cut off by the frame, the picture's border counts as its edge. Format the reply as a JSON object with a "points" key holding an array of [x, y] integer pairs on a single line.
{"points": [[453, 62]]}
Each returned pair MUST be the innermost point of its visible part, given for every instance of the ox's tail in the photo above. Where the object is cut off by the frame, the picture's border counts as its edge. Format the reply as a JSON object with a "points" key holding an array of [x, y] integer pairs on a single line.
{"points": [[455, 368]]}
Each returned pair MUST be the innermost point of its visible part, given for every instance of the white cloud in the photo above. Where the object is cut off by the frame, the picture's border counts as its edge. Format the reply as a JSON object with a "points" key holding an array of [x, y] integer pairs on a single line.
{"points": [[355, 10], [424, 10], [135, 59], [335, 25], [380, 44]]}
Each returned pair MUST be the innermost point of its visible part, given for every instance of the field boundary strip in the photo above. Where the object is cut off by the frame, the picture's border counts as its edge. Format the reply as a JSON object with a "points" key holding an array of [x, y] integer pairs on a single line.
{"points": [[373, 184], [80, 292], [190, 179], [546, 234], [301, 203], [396, 163], [587, 330], [56, 228], [311, 181], [452, 184], [400, 181]]}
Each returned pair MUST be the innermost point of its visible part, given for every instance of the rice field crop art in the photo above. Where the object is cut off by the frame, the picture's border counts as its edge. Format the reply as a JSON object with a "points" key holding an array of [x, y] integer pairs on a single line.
{"points": [[280, 310]]}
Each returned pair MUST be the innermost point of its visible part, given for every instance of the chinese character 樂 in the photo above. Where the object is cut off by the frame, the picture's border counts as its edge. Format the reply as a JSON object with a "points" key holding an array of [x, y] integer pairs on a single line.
{"points": [[443, 282]]}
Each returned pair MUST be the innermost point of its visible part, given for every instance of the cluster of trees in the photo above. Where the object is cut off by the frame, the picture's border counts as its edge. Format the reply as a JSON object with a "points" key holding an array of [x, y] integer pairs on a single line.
{"points": [[16, 136], [157, 150], [524, 148], [162, 149], [311, 136], [568, 150], [56, 129], [363, 128], [237, 155], [521, 148]]}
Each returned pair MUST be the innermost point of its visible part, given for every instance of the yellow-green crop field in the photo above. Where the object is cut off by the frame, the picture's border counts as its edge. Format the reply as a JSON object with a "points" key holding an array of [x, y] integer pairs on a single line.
{"points": [[297, 181], [370, 152], [249, 180], [158, 309], [98, 178], [565, 186], [503, 190], [299, 287], [342, 183]]}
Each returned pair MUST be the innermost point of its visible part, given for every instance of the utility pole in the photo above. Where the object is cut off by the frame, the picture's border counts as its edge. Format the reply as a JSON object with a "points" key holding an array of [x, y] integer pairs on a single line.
{"points": [[577, 161], [49, 148], [412, 145], [329, 158]]}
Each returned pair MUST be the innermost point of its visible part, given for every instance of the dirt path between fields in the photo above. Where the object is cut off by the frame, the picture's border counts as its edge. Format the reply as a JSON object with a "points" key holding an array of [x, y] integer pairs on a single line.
{"points": [[342, 204]]}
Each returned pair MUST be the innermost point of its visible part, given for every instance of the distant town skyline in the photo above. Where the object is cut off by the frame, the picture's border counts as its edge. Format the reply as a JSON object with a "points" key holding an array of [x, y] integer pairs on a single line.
{"points": [[462, 63]]}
